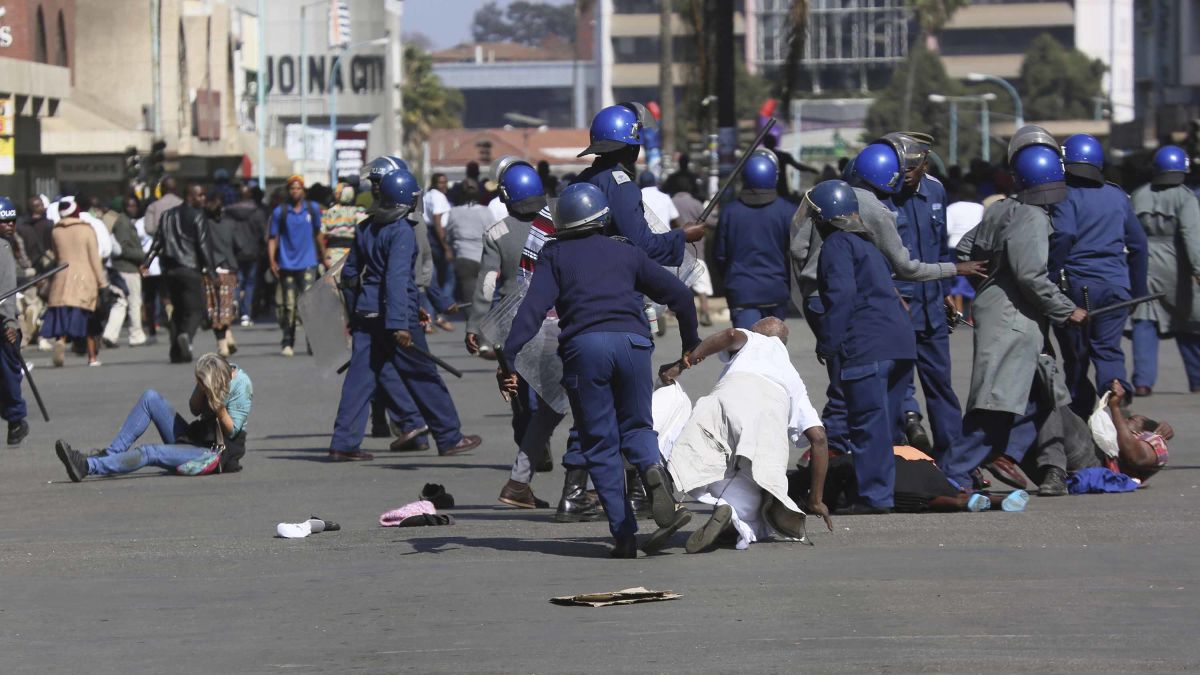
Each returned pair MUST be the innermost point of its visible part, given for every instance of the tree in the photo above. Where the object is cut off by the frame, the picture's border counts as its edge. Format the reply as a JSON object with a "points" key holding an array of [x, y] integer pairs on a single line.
{"points": [[925, 70], [428, 104], [1059, 83], [932, 16], [527, 23], [797, 35]]}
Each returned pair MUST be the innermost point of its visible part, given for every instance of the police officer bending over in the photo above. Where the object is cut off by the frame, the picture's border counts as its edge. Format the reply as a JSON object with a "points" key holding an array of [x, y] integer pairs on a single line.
{"points": [[593, 282]]}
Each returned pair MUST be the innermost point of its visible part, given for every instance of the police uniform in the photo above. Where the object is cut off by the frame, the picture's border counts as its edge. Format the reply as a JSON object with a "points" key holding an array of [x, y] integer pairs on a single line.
{"points": [[594, 282], [628, 215], [751, 248], [12, 404], [382, 297], [1099, 245], [921, 221]]}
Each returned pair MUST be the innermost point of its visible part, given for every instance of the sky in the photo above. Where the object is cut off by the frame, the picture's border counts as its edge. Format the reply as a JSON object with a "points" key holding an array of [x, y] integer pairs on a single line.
{"points": [[446, 28]]}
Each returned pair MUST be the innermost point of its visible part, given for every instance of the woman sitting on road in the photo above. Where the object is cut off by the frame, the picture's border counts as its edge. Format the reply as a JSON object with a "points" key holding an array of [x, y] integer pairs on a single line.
{"points": [[221, 401]]}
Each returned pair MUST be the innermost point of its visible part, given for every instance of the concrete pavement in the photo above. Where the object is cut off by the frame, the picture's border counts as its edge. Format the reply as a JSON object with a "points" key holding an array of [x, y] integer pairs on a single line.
{"points": [[152, 573]]}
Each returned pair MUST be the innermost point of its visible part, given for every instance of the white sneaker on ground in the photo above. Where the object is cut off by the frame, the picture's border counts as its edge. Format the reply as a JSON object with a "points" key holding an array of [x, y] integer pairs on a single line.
{"points": [[246, 322], [288, 351]]}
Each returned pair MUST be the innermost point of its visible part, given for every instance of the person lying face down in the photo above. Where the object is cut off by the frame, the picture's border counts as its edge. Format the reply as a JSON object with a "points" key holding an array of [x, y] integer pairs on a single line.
{"points": [[733, 451], [1066, 444]]}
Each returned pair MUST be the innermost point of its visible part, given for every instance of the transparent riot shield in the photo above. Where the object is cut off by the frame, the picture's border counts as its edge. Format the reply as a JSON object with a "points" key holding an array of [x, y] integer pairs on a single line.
{"points": [[323, 313]]}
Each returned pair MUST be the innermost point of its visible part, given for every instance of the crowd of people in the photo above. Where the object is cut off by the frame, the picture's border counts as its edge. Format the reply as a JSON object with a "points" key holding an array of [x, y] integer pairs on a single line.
{"points": [[559, 286]]}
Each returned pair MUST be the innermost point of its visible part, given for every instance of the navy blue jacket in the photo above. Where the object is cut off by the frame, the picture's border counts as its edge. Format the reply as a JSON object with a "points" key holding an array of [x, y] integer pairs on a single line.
{"points": [[378, 274], [863, 321], [921, 221], [593, 283], [628, 217], [752, 250], [1093, 229]]}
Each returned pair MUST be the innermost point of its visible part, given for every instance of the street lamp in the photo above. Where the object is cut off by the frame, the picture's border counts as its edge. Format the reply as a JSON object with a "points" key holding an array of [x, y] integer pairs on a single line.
{"points": [[984, 131], [1018, 109], [377, 42]]}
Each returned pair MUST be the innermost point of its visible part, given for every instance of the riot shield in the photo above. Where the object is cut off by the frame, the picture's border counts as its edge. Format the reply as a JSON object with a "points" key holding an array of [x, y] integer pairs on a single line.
{"points": [[496, 324], [688, 271], [323, 313], [541, 367]]}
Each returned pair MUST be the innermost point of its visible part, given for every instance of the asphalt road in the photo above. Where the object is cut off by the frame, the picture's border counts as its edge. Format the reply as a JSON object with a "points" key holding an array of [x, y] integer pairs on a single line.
{"points": [[153, 573]]}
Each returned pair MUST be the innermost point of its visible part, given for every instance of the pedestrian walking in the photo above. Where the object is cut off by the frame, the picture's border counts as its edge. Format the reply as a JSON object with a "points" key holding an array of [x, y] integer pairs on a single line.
{"points": [[293, 249], [75, 292], [127, 264]]}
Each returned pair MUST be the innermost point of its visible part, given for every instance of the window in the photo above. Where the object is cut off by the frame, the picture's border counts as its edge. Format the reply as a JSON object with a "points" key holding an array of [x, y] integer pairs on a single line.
{"points": [[60, 52], [39, 54]]}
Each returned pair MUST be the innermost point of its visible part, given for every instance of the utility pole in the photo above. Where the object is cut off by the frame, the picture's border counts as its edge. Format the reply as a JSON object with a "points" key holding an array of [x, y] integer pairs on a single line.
{"points": [[396, 47], [260, 109], [156, 64], [666, 83]]}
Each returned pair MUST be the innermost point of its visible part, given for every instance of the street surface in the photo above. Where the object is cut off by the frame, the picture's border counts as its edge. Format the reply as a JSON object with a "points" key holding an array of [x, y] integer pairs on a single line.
{"points": [[155, 573]]}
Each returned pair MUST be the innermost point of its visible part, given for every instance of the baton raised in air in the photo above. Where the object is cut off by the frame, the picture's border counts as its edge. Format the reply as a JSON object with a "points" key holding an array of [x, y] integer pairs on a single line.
{"points": [[38, 279], [1125, 303], [737, 168]]}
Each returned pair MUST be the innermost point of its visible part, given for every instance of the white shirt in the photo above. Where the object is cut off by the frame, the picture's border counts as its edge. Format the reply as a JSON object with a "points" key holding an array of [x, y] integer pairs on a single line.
{"points": [[104, 239], [435, 204], [960, 218], [768, 357], [660, 203], [498, 208]]}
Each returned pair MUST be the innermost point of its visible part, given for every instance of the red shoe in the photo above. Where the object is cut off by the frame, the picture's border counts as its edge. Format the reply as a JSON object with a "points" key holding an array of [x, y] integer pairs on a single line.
{"points": [[1009, 473]]}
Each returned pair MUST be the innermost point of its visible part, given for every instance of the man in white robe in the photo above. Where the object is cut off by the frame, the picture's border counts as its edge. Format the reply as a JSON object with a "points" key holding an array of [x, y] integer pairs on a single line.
{"points": [[733, 450]]}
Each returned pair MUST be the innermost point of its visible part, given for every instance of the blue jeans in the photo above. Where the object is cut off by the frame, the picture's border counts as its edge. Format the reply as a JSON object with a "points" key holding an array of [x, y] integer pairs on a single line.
{"points": [[874, 392], [247, 278], [150, 408], [745, 317], [608, 378]]}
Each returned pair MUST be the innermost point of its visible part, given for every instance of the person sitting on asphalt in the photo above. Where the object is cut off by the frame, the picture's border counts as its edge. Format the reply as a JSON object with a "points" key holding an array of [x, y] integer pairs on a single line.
{"points": [[221, 401], [1066, 444], [758, 404]]}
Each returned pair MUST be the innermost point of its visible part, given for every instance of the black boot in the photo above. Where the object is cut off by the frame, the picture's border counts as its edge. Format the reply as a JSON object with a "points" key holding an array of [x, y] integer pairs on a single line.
{"points": [[635, 494], [17, 431], [577, 503], [662, 496], [1054, 483], [915, 431]]}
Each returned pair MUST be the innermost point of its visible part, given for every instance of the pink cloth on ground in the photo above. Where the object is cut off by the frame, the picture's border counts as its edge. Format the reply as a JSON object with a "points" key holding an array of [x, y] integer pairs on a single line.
{"points": [[396, 516]]}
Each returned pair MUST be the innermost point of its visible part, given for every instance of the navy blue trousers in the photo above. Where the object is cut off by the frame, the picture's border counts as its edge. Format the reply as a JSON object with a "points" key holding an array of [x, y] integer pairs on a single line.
{"points": [[745, 317], [12, 404], [874, 392], [401, 374], [608, 378], [990, 433], [833, 415], [1145, 354], [933, 367], [1098, 342]]}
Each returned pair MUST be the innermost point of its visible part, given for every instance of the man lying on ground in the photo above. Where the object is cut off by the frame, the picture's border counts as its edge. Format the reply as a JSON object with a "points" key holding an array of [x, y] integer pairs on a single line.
{"points": [[1066, 444], [221, 402], [733, 451]]}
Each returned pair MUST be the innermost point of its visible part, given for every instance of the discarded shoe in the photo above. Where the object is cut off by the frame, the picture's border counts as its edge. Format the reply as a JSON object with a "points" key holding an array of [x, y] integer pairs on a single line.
{"points": [[302, 529], [436, 494]]}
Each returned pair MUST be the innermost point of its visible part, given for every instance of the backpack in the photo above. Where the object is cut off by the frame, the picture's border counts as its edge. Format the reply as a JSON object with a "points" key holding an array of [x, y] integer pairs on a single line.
{"points": [[209, 462]]}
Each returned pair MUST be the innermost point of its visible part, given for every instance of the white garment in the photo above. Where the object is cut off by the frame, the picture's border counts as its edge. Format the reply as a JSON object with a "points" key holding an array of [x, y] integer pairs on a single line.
{"points": [[768, 357], [961, 217], [104, 238], [435, 204], [739, 491], [498, 208], [670, 409], [703, 284], [146, 241], [660, 203]]}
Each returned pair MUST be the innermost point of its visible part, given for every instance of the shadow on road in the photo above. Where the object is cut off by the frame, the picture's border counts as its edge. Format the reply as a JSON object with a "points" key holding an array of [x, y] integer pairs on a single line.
{"points": [[588, 547]]}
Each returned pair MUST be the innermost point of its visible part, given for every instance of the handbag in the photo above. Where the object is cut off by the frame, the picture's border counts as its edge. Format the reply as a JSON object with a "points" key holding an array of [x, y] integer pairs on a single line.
{"points": [[209, 462]]}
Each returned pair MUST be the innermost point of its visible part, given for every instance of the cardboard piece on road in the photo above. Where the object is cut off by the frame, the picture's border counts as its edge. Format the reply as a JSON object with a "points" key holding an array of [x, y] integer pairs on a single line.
{"points": [[629, 596]]}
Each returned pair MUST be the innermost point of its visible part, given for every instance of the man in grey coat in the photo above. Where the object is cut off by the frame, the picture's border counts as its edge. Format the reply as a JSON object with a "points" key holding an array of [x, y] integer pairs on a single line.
{"points": [[1013, 307], [880, 223]]}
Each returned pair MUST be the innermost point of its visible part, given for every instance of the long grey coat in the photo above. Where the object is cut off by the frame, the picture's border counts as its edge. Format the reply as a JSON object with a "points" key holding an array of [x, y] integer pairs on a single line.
{"points": [[1012, 305], [1171, 218], [502, 246], [881, 230]]}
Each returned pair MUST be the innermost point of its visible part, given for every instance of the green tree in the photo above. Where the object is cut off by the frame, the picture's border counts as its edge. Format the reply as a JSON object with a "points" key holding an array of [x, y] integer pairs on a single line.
{"points": [[428, 104], [925, 70], [1059, 83], [527, 23], [932, 16], [796, 37]]}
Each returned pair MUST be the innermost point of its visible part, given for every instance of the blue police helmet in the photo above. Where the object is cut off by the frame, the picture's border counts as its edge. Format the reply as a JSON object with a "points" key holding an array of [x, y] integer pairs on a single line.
{"points": [[1170, 165], [8, 210], [1039, 174], [399, 192], [761, 171], [379, 167], [521, 187], [581, 207], [1084, 157], [612, 129], [832, 199], [878, 165]]}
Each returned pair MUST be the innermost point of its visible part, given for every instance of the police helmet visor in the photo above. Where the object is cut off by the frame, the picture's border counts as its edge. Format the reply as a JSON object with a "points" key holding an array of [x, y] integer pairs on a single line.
{"points": [[1028, 135]]}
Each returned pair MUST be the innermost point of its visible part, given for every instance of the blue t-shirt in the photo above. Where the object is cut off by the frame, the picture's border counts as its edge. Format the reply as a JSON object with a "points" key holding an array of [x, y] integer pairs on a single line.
{"points": [[296, 232], [237, 401]]}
